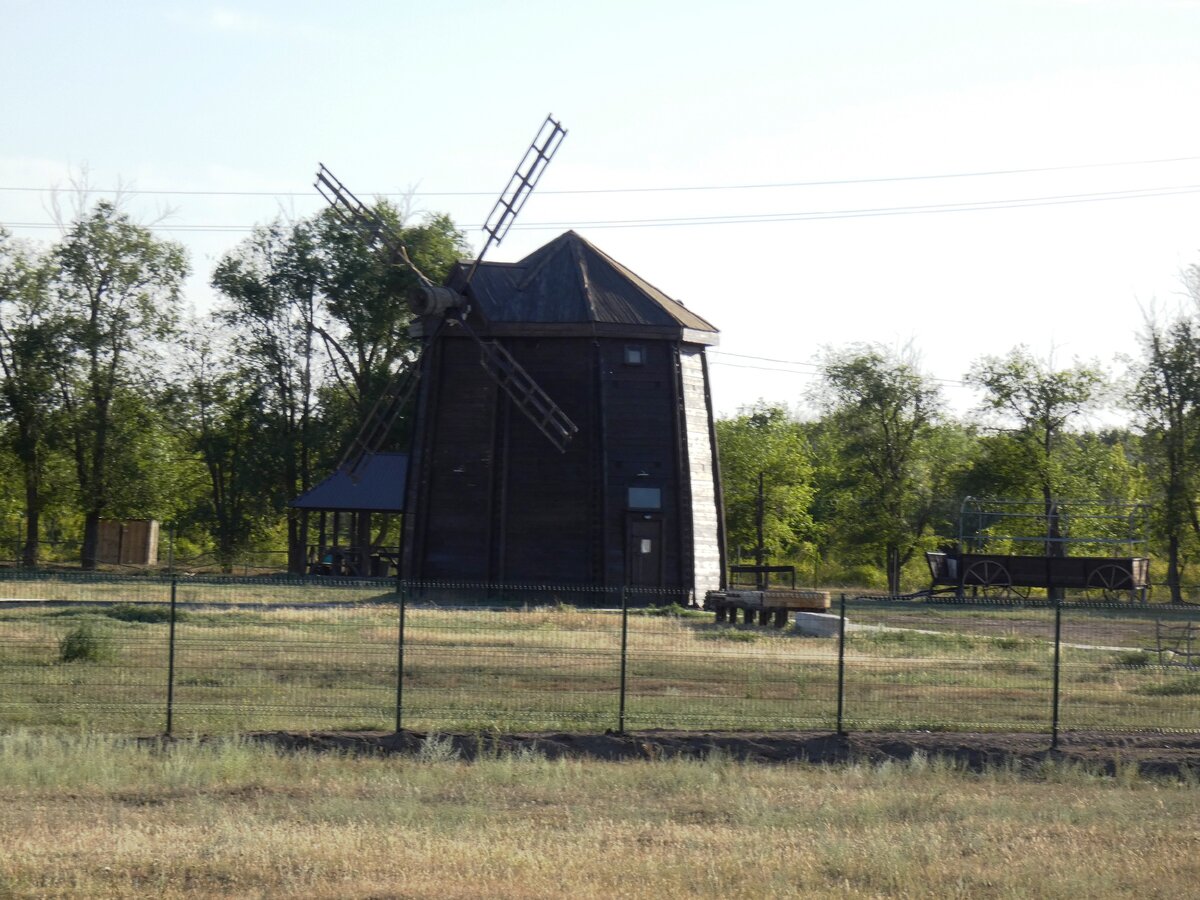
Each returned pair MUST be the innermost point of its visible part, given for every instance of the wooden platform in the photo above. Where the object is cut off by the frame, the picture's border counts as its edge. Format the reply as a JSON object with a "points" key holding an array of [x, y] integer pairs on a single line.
{"points": [[768, 607]]}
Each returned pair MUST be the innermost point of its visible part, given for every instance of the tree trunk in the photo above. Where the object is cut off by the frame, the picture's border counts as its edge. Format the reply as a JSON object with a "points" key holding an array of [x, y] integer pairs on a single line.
{"points": [[1173, 569], [33, 504], [91, 540], [893, 569], [297, 552], [1054, 546]]}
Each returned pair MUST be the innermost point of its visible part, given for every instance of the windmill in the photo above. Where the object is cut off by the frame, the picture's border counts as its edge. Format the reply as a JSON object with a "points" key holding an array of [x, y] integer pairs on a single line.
{"points": [[563, 429]]}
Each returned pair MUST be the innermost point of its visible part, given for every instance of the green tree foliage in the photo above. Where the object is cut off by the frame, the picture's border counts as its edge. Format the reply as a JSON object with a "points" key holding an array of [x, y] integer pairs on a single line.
{"points": [[1034, 404], [1165, 396], [319, 324], [878, 424], [31, 351], [765, 440], [115, 292], [218, 418], [361, 316], [270, 284]]}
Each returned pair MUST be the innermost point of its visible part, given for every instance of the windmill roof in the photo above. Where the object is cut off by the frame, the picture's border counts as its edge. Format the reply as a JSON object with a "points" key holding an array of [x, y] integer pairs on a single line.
{"points": [[571, 281], [377, 486]]}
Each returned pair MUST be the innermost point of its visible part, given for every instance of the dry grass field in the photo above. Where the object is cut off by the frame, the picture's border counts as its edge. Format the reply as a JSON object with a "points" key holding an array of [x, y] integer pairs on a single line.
{"points": [[93, 816]]}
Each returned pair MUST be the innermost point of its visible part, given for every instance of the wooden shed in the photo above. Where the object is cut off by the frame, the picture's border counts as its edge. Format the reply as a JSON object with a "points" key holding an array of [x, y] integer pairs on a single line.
{"points": [[635, 498], [128, 542]]}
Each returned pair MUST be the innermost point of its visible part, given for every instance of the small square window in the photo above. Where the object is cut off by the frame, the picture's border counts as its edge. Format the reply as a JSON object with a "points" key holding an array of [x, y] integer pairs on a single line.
{"points": [[645, 498], [635, 355]]}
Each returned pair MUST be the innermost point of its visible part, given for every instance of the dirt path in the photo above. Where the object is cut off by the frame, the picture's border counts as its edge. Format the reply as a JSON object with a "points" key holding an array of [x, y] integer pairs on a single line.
{"points": [[1154, 754]]}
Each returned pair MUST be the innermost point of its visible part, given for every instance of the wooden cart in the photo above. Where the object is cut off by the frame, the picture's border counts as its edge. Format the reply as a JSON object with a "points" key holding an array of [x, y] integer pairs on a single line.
{"points": [[990, 575]]}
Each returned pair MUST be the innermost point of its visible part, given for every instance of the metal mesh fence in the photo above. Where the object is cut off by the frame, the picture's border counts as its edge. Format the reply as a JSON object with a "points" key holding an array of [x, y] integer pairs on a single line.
{"points": [[1128, 667], [83, 652], [688, 672], [954, 666], [513, 659], [207, 655]]}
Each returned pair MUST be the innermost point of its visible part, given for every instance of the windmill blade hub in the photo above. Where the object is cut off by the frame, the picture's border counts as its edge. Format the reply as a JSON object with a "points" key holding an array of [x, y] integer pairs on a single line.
{"points": [[433, 299]]}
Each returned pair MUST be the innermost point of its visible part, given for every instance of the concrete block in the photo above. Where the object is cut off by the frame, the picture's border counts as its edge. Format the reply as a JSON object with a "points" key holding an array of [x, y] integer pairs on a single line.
{"points": [[816, 624]]}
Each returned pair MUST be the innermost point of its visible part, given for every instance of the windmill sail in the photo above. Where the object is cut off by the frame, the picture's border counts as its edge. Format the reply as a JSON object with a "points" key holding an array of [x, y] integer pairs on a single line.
{"points": [[432, 299]]}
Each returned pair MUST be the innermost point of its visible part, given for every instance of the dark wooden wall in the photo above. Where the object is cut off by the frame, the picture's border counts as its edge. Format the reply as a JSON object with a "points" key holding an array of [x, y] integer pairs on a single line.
{"points": [[491, 499]]}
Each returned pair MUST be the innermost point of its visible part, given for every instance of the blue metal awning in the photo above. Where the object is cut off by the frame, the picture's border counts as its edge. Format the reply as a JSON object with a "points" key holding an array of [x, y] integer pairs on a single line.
{"points": [[378, 485]]}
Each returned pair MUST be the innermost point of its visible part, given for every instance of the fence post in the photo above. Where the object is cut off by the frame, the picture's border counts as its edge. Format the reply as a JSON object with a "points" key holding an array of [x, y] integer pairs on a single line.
{"points": [[624, 657], [1057, 671], [401, 604], [171, 659], [841, 671]]}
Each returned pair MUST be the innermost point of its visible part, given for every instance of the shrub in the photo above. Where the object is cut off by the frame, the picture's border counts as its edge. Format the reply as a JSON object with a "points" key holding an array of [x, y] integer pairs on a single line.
{"points": [[83, 644]]}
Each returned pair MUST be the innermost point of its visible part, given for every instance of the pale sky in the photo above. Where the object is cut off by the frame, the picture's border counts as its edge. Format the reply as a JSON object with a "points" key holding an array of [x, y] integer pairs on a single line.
{"points": [[443, 98]]}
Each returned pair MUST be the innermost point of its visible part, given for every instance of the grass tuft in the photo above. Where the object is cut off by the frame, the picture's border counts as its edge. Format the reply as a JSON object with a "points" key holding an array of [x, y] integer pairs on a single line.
{"points": [[438, 748]]}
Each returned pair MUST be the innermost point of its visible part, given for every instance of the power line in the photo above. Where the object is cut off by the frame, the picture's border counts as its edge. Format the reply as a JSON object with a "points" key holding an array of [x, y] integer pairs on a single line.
{"points": [[647, 190], [860, 213], [815, 367], [768, 218]]}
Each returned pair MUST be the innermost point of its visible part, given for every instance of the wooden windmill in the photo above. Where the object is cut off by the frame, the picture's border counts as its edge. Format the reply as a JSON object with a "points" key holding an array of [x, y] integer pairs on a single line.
{"points": [[563, 430]]}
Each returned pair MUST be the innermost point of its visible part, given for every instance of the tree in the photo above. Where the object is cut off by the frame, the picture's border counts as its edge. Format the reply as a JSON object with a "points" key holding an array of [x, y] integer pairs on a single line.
{"points": [[1035, 403], [879, 417], [1165, 393], [30, 353], [764, 441], [218, 419], [116, 290], [270, 283]]}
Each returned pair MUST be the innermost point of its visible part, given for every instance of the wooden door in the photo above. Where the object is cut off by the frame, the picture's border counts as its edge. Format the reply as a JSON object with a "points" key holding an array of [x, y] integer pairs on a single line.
{"points": [[644, 552]]}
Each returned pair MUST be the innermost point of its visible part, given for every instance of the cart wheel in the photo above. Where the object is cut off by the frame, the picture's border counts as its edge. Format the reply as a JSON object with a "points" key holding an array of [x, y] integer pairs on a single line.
{"points": [[989, 579], [1111, 583]]}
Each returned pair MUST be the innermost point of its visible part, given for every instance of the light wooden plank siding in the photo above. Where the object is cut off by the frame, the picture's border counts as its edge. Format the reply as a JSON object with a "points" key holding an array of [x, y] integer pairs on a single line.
{"points": [[701, 477]]}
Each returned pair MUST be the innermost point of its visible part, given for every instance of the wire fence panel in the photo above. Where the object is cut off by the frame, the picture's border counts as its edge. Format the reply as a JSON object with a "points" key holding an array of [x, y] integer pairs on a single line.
{"points": [[306, 667], [514, 659], [1130, 667], [953, 666], [88, 665], [103, 652], [686, 671]]}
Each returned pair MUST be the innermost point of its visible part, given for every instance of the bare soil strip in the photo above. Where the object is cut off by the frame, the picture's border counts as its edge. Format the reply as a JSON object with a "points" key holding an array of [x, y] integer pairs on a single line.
{"points": [[1174, 755]]}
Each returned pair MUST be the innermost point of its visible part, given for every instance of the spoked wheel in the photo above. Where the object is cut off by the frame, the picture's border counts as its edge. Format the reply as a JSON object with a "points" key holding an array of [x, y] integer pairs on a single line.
{"points": [[1110, 583], [990, 579]]}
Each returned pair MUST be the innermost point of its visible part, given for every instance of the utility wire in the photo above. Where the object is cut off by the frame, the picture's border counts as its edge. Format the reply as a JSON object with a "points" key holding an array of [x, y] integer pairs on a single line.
{"points": [[647, 190], [815, 367], [767, 218]]}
